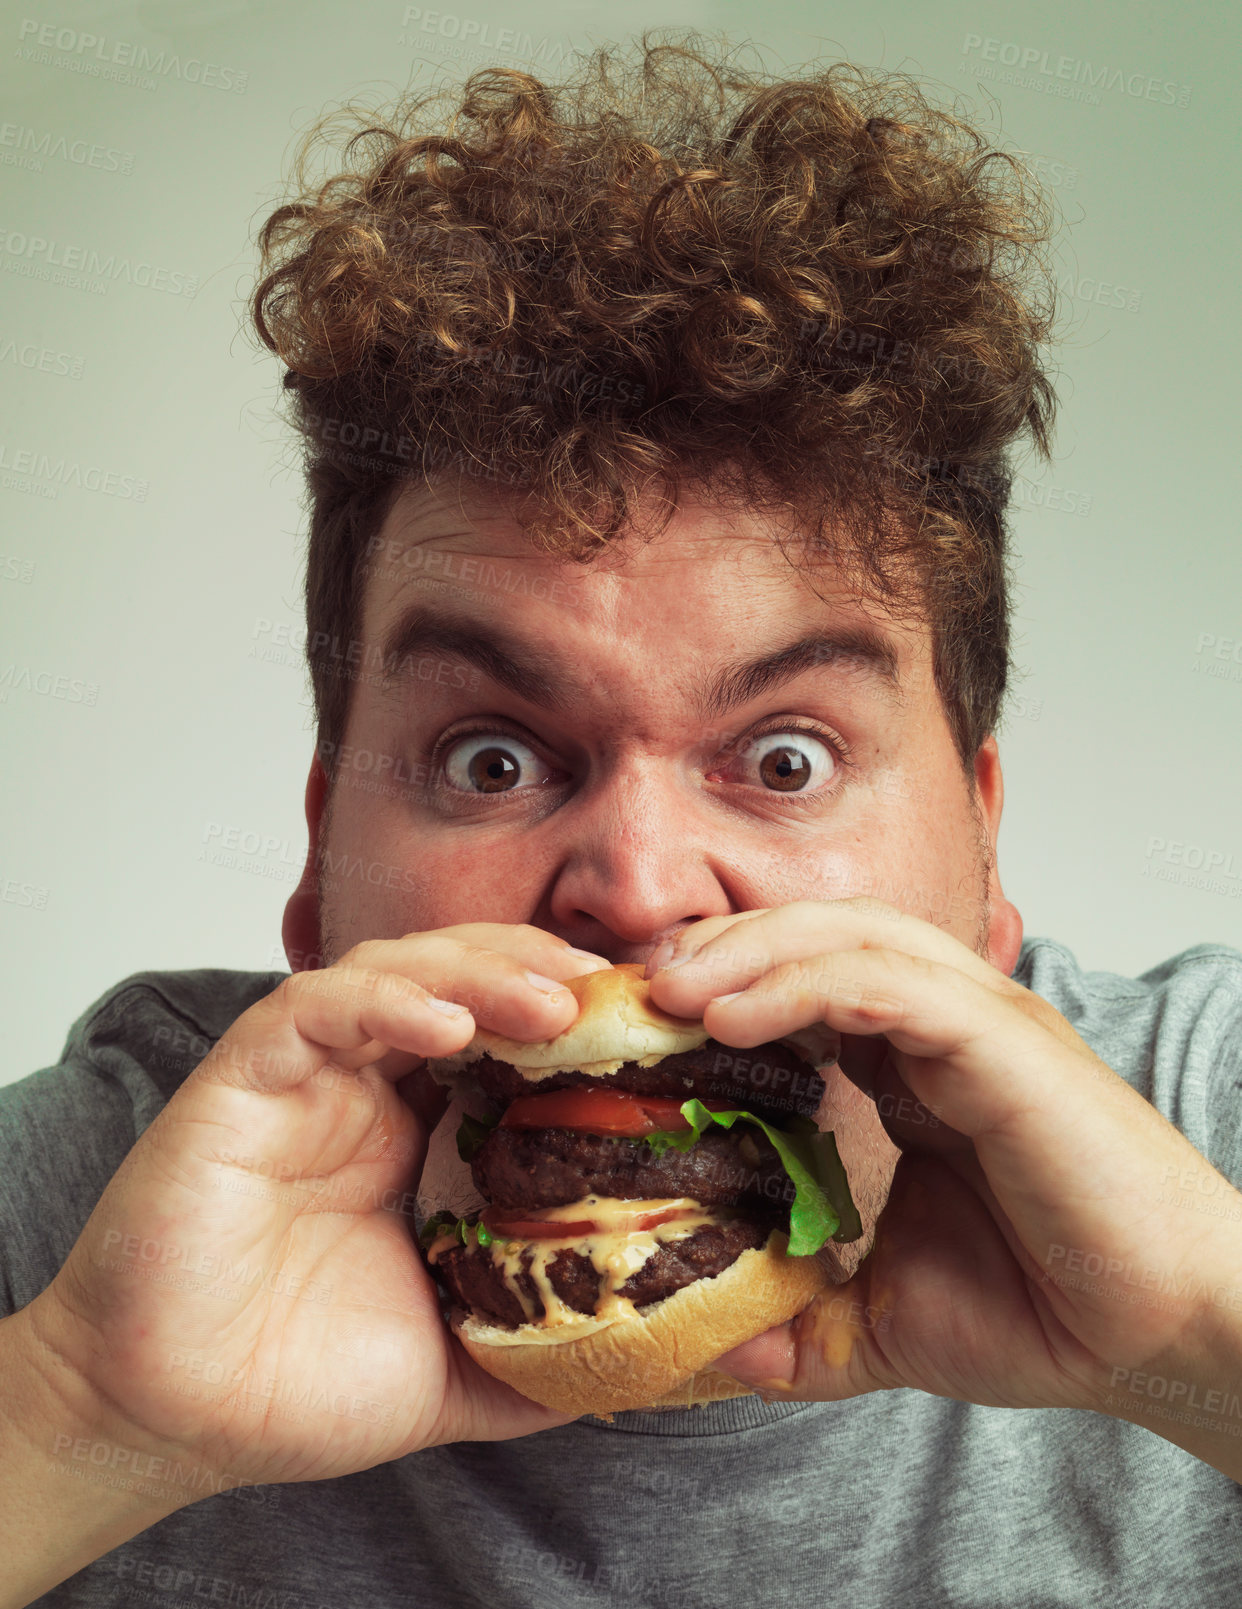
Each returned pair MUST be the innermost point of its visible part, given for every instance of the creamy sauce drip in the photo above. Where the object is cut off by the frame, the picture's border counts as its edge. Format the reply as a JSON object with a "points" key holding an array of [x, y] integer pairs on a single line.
{"points": [[614, 1252]]}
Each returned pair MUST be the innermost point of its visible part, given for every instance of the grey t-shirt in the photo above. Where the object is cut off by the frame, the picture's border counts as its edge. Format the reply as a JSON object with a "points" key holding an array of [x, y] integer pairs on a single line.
{"points": [[890, 1500]]}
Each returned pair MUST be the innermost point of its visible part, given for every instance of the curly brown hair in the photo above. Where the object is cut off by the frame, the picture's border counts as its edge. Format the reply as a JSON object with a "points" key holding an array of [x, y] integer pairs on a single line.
{"points": [[833, 289]]}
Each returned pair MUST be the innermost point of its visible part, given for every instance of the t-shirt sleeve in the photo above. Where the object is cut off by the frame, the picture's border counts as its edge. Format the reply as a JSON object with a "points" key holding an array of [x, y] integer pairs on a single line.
{"points": [[64, 1131], [1223, 1077]]}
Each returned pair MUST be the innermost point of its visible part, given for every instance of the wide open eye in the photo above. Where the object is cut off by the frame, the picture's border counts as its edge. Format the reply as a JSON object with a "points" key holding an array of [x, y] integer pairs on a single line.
{"points": [[491, 762], [789, 760]]}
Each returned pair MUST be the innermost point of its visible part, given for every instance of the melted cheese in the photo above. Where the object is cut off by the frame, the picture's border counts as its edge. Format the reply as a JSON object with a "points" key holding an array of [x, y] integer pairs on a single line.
{"points": [[613, 1251]]}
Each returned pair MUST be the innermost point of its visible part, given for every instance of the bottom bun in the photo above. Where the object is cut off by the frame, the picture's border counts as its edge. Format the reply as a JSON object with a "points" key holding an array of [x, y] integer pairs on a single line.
{"points": [[657, 1359], [704, 1387]]}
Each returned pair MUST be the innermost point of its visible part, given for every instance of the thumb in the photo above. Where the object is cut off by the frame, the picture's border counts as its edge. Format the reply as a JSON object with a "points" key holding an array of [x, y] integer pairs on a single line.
{"points": [[826, 1354], [836, 1347]]}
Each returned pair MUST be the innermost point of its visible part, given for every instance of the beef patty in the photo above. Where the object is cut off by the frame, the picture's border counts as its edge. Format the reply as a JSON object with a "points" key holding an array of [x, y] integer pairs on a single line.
{"points": [[477, 1283], [770, 1080], [555, 1167]]}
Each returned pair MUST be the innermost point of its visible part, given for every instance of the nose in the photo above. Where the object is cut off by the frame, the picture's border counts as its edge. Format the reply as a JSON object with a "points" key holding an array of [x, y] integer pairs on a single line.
{"points": [[636, 864]]}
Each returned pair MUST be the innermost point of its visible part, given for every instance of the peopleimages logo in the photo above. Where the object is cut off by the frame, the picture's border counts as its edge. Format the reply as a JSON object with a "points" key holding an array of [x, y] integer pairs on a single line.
{"points": [[20, 466], [38, 39], [34, 256], [30, 145], [1193, 866], [44, 358], [16, 678], [448, 25], [1064, 75]]}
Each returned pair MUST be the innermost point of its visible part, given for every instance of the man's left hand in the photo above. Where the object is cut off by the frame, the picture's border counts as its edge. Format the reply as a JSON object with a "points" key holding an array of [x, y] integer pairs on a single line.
{"points": [[1036, 1249]]}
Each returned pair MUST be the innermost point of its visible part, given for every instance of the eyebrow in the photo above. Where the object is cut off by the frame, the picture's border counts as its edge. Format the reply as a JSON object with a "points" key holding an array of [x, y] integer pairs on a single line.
{"points": [[541, 677]]}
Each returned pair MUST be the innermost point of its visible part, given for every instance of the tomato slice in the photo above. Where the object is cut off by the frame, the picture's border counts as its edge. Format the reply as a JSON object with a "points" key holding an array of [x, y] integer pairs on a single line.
{"points": [[531, 1224], [521, 1227], [599, 1111]]}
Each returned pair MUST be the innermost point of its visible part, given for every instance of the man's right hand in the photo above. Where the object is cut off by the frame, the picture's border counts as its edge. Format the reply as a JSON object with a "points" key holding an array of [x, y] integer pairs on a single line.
{"points": [[246, 1297]]}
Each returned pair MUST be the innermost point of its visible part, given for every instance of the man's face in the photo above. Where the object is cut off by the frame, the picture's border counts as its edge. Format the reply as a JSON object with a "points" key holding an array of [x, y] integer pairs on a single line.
{"points": [[629, 779], [601, 767]]}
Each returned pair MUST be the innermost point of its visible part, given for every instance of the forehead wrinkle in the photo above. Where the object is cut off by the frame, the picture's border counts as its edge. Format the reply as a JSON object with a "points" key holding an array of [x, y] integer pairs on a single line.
{"points": [[424, 503]]}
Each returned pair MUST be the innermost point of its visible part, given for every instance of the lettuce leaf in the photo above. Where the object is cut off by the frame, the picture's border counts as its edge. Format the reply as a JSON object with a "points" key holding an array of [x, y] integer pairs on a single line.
{"points": [[822, 1207], [436, 1225], [440, 1222]]}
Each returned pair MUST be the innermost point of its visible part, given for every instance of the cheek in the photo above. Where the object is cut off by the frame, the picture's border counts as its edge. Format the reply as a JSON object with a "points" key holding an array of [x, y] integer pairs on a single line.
{"points": [[922, 861], [905, 865], [379, 879], [818, 872]]}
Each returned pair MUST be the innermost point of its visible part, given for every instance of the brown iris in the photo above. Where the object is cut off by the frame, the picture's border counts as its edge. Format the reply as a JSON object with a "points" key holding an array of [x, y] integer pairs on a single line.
{"points": [[491, 770], [785, 769]]}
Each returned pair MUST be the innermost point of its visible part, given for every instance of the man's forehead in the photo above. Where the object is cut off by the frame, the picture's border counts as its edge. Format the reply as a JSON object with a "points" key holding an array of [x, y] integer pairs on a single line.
{"points": [[468, 517], [465, 589], [701, 533], [733, 575]]}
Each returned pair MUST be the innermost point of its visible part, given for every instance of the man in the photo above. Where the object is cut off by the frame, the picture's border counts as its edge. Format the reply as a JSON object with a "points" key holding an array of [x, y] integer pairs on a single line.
{"points": [[745, 734]]}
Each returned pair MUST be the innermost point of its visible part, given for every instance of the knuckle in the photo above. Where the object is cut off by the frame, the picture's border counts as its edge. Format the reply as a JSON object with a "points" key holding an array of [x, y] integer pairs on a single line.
{"points": [[1042, 1012], [365, 955], [872, 1006], [473, 958], [472, 975], [290, 991], [355, 983], [814, 972], [869, 905]]}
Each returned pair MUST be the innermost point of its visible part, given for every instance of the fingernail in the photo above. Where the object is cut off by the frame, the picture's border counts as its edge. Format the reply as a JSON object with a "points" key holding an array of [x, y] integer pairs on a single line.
{"points": [[450, 1008], [545, 985], [663, 959], [720, 998]]}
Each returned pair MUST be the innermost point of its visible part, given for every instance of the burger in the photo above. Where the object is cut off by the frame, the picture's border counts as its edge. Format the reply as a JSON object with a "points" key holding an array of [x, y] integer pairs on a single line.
{"points": [[625, 1202]]}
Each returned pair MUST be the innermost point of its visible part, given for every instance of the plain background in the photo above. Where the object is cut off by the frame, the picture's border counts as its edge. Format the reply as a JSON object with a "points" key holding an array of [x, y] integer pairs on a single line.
{"points": [[139, 727]]}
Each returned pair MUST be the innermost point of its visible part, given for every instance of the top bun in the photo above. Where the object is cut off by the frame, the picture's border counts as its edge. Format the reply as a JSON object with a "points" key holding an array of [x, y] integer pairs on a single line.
{"points": [[617, 1022]]}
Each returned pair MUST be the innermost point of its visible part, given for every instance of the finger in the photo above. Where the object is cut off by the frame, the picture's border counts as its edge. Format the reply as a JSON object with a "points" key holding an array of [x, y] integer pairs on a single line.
{"points": [[728, 953], [933, 1307], [1045, 1117], [809, 1359], [389, 1003], [827, 1353], [478, 1407], [552, 959], [491, 968], [311, 1021], [910, 1123], [695, 936], [533, 946], [931, 1012]]}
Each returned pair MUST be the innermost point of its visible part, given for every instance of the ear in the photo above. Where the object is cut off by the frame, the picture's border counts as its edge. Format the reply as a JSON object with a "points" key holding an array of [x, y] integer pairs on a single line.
{"points": [[300, 929], [1004, 920]]}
